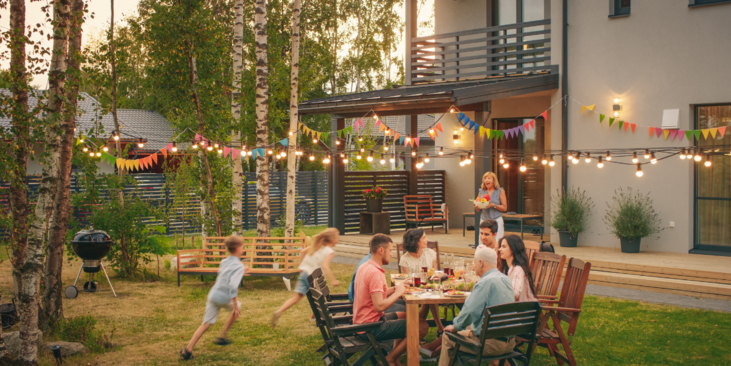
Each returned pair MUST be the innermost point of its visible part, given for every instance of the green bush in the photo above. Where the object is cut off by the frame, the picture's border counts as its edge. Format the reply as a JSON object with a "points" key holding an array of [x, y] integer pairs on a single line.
{"points": [[630, 215], [570, 210], [82, 329]]}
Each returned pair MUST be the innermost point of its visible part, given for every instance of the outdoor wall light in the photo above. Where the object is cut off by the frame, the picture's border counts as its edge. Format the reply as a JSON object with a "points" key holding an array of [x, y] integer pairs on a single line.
{"points": [[599, 164], [522, 168], [682, 154], [616, 107], [635, 160], [639, 172], [175, 147], [441, 151], [708, 160], [653, 159], [426, 158]]}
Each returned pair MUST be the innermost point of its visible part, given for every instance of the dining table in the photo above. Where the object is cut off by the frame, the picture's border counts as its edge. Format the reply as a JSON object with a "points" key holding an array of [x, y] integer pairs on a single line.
{"points": [[412, 317]]}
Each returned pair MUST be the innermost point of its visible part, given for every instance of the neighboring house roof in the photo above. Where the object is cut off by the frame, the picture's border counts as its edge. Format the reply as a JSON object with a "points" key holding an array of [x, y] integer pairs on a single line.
{"points": [[134, 123]]}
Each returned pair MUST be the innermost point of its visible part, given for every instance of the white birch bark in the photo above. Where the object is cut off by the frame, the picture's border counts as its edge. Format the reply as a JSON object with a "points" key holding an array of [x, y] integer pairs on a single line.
{"points": [[237, 204], [293, 120], [262, 118]]}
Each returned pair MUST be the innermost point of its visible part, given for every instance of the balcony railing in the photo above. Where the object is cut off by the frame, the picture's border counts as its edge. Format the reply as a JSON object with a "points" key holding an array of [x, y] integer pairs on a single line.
{"points": [[506, 50]]}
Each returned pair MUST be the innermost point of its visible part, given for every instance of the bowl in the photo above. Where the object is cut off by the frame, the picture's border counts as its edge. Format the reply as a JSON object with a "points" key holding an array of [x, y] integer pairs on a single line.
{"points": [[481, 205]]}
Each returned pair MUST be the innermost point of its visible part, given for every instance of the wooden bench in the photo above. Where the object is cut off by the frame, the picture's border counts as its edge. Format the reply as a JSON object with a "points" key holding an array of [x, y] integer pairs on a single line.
{"points": [[284, 253], [420, 211]]}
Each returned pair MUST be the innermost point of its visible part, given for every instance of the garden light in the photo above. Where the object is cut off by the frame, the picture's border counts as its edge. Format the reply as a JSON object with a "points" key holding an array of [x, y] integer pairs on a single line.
{"points": [[441, 151], [522, 168], [653, 159], [599, 164], [708, 160], [175, 147], [639, 172], [634, 158]]}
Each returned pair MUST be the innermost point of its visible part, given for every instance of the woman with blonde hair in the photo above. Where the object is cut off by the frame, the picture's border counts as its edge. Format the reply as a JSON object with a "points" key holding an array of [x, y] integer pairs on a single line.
{"points": [[319, 255], [497, 203]]}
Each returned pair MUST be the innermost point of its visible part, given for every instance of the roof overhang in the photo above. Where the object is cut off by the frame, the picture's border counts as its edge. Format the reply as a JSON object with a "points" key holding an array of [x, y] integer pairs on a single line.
{"points": [[430, 98]]}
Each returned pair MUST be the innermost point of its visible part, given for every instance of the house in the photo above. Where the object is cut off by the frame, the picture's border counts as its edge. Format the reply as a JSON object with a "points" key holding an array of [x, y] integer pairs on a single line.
{"points": [[570, 66], [150, 126]]}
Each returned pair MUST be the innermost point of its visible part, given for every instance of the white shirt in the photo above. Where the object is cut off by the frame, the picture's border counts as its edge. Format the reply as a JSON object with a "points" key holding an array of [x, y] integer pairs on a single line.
{"points": [[312, 262], [230, 273], [428, 256]]}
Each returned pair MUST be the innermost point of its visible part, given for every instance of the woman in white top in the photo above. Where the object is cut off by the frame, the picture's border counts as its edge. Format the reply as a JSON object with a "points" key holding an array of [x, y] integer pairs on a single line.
{"points": [[419, 255], [515, 266]]}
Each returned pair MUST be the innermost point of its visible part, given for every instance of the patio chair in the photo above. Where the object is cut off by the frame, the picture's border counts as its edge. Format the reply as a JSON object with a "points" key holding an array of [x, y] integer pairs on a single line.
{"points": [[338, 303], [343, 341], [547, 269], [421, 211], [500, 321], [564, 310], [317, 281], [530, 248]]}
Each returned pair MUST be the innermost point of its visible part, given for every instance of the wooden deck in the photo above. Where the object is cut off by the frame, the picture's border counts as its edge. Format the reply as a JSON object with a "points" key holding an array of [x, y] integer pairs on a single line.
{"points": [[694, 275]]}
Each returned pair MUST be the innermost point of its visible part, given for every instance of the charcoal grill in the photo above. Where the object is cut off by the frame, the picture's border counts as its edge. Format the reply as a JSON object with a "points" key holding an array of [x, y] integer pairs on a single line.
{"points": [[91, 246]]}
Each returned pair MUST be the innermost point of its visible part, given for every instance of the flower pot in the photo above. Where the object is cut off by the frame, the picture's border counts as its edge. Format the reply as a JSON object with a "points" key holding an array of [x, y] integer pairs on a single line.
{"points": [[373, 205], [275, 266], [630, 245], [567, 240]]}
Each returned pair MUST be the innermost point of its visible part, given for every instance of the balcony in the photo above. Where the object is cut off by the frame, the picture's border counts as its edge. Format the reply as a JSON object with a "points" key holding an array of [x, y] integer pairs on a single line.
{"points": [[496, 52]]}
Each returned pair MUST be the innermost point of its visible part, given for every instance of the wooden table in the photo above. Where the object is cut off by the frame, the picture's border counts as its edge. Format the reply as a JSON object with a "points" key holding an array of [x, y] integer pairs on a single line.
{"points": [[465, 215], [522, 218], [375, 223], [412, 320]]}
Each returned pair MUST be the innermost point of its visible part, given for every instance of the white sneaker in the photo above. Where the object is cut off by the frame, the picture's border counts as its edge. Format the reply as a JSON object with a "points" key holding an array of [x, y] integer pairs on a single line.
{"points": [[275, 318]]}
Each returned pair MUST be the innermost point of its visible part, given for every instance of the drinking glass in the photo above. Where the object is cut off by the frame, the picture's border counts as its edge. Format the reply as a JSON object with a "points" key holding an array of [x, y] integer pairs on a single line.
{"points": [[437, 284]]}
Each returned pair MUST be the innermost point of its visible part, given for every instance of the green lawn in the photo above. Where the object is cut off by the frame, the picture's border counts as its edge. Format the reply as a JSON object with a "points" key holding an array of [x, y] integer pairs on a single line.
{"points": [[152, 321]]}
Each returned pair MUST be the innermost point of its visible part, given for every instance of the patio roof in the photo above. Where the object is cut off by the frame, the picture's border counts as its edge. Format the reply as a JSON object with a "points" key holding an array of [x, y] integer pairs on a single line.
{"points": [[432, 98]]}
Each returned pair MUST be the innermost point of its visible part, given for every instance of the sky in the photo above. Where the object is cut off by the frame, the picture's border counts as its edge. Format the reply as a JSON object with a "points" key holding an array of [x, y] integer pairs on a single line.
{"points": [[92, 28]]}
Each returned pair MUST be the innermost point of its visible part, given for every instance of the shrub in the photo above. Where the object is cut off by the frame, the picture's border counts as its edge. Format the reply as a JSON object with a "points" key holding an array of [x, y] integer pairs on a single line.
{"points": [[570, 210], [375, 193], [82, 329], [630, 215]]}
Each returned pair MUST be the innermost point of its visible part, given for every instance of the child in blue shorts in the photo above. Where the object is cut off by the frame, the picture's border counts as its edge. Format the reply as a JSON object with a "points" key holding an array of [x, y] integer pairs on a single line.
{"points": [[319, 254]]}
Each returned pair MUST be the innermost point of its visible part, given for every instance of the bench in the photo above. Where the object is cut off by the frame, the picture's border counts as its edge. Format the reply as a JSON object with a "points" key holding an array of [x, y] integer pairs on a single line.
{"points": [[266, 257], [420, 211]]}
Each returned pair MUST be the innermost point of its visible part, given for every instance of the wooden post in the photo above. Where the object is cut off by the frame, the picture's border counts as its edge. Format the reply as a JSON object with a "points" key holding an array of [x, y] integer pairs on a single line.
{"points": [[482, 164], [412, 129], [411, 32], [336, 170]]}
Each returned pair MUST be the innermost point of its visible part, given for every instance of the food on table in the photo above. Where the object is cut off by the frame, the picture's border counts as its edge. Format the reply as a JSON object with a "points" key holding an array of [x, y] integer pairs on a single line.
{"points": [[430, 272], [466, 286]]}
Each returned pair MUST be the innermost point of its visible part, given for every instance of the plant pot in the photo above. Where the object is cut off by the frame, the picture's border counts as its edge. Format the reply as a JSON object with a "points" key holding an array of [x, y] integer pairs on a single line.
{"points": [[567, 240], [374, 205], [630, 245]]}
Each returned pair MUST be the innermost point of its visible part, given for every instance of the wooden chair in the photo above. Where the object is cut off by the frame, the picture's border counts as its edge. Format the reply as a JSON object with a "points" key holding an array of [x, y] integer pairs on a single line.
{"points": [[430, 244], [530, 248], [500, 321], [564, 310], [343, 341], [421, 211], [547, 269], [317, 281]]}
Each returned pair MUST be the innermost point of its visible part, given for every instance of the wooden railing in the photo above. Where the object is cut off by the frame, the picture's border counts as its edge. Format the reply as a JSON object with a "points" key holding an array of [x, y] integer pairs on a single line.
{"points": [[506, 50]]}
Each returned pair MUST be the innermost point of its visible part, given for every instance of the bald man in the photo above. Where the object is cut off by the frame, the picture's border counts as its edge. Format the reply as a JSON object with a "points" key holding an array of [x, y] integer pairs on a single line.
{"points": [[493, 288]]}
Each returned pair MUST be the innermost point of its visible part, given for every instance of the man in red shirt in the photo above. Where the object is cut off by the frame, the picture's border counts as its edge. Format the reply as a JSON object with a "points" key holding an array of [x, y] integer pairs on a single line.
{"points": [[373, 297]]}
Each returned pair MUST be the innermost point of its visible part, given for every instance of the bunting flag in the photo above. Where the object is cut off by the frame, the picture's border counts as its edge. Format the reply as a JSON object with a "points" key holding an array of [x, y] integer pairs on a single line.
{"points": [[545, 115], [611, 120], [284, 142], [633, 125], [226, 151], [713, 132], [681, 133], [154, 157], [461, 116], [401, 141], [601, 118], [651, 130], [705, 132], [522, 129], [396, 135], [164, 152], [620, 124], [319, 135], [689, 135], [235, 154], [666, 133], [532, 123], [658, 131], [299, 125], [500, 134], [673, 133], [416, 140], [340, 134], [381, 127], [472, 124], [482, 131], [722, 131], [439, 127], [626, 124], [590, 107]]}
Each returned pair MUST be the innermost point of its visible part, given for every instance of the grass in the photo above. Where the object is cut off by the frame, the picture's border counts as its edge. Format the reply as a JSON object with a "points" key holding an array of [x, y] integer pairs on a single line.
{"points": [[152, 321]]}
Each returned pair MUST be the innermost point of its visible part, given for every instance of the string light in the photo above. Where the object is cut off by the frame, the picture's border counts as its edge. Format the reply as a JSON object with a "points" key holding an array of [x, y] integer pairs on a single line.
{"points": [[575, 160], [545, 160], [639, 172], [357, 156], [535, 157], [105, 148], [682, 154], [385, 147], [441, 151], [360, 138], [426, 158], [467, 160], [431, 131], [708, 160], [599, 163], [362, 149], [115, 136], [291, 133], [647, 154], [461, 160], [277, 156], [85, 149], [522, 168], [215, 145], [314, 140], [175, 147], [393, 158], [249, 153], [419, 163], [81, 139], [283, 153], [141, 143], [502, 160], [383, 160], [471, 155], [697, 156], [375, 116], [327, 159], [413, 152], [209, 147], [588, 158], [270, 151], [91, 153], [634, 158], [337, 142], [98, 153], [312, 157], [609, 156], [550, 161], [345, 159], [653, 159], [194, 144], [220, 149], [370, 156], [408, 138], [506, 165]]}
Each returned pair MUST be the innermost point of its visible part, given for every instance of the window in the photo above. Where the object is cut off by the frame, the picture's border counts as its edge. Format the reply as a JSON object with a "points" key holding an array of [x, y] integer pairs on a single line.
{"points": [[706, 2], [712, 188], [620, 8]]}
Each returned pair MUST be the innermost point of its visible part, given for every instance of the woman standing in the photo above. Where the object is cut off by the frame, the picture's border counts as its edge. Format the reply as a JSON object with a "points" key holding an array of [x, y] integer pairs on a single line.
{"points": [[497, 203], [515, 265]]}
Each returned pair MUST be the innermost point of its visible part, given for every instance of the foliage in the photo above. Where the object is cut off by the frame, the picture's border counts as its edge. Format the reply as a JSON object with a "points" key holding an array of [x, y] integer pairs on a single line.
{"points": [[375, 193], [82, 329], [631, 215], [368, 142], [570, 210]]}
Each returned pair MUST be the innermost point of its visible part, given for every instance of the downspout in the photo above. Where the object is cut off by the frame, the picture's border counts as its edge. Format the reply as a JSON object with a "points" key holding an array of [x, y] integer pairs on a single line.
{"points": [[564, 92]]}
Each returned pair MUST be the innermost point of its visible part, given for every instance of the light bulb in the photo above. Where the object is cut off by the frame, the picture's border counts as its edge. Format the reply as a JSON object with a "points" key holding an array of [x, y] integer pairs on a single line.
{"points": [[653, 159], [441, 151], [375, 117], [431, 131], [599, 164], [408, 138], [105, 149], [708, 160], [283, 153], [175, 147], [220, 151], [697, 156], [91, 153], [588, 158], [616, 114], [370, 156], [209, 148], [634, 158], [249, 153], [195, 145], [85, 149], [522, 168], [574, 160], [551, 162], [647, 154], [506, 165], [81, 139], [471, 155], [337, 142], [312, 157], [278, 156], [616, 100], [314, 141], [535, 157], [461, 160], [99, 153], [360, 138], [270, 151], [609, 156], [393, 158], [115, 136], [141, 143], [291, 133], [639, 170], [345, 160], [358, 156], [426, 158], [502, 161], [385, 147], [468, 161], [413, 152], [382, 161], [362, 149], [461, 129], [327, 159], [545, 160], [682, 154]]}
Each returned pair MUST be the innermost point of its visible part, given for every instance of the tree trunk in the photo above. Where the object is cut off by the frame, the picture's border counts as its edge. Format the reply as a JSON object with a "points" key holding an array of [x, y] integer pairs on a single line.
{"points": [[236, 204], [27, 259], [293, 120], [53, 289], [262, 117]]}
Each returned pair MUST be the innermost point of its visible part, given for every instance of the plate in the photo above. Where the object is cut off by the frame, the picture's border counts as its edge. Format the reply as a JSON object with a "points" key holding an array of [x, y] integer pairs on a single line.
{"points": [[399, 277], [414, 292]]}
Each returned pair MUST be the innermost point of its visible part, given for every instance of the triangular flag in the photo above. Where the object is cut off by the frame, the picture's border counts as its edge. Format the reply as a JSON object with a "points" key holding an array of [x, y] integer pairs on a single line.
{"points": [[78, 140], [620, 124], [482, 131], [461, 116], [226, 150], [601, 118], [137, 164], [401, 140], [582, 109], [722, 131], [198, 137], [590, 107], [651, 130], [431, 134], [378, 123], [673, 133], [500, 134], [488, 133], [119, 163], [154, 157], [381, 127], [626, 124], [169, 147], [325, 135], [658, 131], [235, 153], [545, 115], [417, 141], [284, 142], [472, 124], [319, 134], [681, 133], [713, 132], [476, 129], [439, 127], [666, 133], [340, 134], [164, 152], [689, 135], [299, 125], [521, 128], [362, 124], [142, 163], [411, 142], [611, 120], [633, 125], [705, 131], [526, 127], [350, 130], [357, 124], [396, 136], [532, 123]]}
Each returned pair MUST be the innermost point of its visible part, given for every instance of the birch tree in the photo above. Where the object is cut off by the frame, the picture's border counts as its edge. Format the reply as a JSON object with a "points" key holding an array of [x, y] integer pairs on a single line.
{"points": [[262, 116], [293, 120], [236, 112]]}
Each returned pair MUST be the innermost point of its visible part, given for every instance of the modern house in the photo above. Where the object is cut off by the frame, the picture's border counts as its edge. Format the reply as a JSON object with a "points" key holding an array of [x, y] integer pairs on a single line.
{"points": [[566, 65]]}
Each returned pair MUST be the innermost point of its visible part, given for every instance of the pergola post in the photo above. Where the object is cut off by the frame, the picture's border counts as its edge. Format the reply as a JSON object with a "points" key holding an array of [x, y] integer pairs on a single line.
{"points": [[482, 161], [412, 129], [336, 172], [410, 7]]}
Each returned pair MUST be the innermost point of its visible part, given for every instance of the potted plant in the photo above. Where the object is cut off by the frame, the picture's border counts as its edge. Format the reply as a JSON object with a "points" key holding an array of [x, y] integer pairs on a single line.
{"points": [[374, 198], [631, 217], [569, 213]]}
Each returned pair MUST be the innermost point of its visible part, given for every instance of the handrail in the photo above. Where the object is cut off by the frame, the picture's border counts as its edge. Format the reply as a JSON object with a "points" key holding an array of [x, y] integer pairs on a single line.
{"points": [[483, 30]]}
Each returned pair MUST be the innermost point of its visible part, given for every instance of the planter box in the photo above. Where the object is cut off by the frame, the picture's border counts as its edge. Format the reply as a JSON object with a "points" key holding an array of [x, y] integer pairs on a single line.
{"points": [[374, 205], [567, 240], [630, 245]]}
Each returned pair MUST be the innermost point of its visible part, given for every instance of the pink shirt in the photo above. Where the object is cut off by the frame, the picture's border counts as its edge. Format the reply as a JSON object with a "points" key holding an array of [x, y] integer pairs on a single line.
{"points": [[370, 280], [521, 288]]}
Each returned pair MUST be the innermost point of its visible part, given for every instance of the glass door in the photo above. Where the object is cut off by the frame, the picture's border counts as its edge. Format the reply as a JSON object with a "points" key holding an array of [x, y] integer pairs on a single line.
{"points": [[712, 187]]}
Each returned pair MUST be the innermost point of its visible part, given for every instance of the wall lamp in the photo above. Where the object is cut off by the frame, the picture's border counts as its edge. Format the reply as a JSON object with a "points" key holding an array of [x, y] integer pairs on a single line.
{"points": [[616, 107], [456, 137]]}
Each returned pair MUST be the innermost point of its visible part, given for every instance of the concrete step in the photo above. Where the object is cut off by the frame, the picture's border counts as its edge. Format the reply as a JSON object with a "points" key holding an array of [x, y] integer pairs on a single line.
{"points": [[706, 290]]}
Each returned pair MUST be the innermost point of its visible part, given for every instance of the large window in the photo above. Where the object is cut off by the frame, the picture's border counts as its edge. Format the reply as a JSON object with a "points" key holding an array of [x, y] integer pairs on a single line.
{"points": [[620, 8], [713, 184], [707, 2], [506, 12]]}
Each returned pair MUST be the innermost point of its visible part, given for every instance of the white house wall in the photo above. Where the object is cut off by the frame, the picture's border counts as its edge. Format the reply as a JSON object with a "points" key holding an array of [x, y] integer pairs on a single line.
{"points": [[459, 179]]}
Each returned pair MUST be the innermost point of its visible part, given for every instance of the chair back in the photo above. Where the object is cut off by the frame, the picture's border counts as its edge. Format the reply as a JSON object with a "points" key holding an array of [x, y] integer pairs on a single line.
{"points": [[430, 244], [572, 292], [317, 280], [419, 207], [328, 322], [547, 269], [313, 280], [530, 248], [510, 320]]}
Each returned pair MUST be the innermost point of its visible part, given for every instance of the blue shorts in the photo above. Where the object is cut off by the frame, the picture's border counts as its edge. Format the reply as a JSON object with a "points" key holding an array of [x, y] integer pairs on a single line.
{"points": [[302, 285]]}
